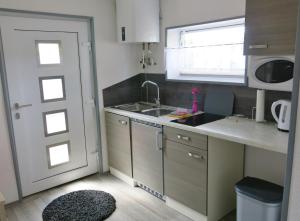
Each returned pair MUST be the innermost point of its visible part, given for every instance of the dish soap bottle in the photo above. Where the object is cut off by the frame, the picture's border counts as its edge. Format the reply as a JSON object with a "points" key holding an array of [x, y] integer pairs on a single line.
{"points": [[195, 92]]}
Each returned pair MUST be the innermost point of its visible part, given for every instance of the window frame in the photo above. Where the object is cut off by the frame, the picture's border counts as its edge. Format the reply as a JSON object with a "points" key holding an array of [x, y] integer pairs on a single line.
{"points": [[245, 83]]}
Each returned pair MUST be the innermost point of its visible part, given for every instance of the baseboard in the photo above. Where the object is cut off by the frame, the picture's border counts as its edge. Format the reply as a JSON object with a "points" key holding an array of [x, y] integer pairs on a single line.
{"points": [[190, 213], [122, 176]]}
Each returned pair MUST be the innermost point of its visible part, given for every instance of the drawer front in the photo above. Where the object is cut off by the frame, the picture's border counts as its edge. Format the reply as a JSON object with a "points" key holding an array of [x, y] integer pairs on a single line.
{"points": [[186, 175], [118, 142], [186, 137]]}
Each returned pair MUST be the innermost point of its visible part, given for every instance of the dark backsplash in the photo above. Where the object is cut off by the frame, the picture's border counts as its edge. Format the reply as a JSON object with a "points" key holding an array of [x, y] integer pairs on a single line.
{"points": [[127, 91], [179, 93]]}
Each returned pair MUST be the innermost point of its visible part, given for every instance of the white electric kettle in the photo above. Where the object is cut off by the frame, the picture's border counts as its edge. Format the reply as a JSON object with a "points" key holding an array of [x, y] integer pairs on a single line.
{"points": [[283, 120]]}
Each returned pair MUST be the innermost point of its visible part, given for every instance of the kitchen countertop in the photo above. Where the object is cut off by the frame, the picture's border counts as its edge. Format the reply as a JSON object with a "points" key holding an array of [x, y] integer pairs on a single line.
{"points": [[235, 129]]}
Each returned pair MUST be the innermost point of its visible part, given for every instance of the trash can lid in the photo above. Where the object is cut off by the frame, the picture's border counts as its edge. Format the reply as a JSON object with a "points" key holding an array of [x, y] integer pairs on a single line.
{"points": [[260, 190]]}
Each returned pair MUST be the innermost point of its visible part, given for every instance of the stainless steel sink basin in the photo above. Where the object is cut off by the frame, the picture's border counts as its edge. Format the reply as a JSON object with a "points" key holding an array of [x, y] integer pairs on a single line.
{"points": [[145, 108], [157, 112], [135, 107]]}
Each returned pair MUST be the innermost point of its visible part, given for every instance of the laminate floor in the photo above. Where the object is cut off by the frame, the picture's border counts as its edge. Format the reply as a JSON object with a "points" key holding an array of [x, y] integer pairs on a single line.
{"points": [[133, 204]]}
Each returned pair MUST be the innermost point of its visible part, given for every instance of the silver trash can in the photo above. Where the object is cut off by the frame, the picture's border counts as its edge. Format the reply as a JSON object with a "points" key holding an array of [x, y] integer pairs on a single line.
{"points": [[258, 200]]}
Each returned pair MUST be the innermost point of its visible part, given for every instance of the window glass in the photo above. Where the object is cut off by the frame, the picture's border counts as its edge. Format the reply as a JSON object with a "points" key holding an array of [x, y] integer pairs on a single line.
{"points": [[52, 89], [49, 53], [55, 122], [58, 154], [209, 52]]}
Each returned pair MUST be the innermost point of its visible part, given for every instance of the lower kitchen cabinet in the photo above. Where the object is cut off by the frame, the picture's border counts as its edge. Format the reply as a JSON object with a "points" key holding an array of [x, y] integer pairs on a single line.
{"points": [[186, 175], [196, 173], [202, 178], [147, 155], [118, 142]]}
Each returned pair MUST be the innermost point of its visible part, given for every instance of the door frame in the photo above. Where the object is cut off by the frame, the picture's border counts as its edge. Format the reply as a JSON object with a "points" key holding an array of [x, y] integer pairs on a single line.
{"points": [[293, 124], [3, 75]]}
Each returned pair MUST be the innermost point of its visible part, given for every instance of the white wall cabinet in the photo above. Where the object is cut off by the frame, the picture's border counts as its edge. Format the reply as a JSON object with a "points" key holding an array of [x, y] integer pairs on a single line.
{"points": [[137, 21]]}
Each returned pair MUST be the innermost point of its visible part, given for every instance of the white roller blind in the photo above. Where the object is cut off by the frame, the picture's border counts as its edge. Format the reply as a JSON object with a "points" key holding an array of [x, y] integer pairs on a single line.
{"points": [[209, 52]]}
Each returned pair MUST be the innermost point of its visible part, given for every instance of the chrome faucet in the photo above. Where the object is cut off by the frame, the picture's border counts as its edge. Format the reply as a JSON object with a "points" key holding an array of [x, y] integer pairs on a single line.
{"points": [[157, 100]]}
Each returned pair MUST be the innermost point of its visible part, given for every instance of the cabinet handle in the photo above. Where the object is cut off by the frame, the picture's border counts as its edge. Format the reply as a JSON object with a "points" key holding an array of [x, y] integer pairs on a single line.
{"points": [[180, 137], [258, 46], [196, 156], [123, 122], [159, 140]]}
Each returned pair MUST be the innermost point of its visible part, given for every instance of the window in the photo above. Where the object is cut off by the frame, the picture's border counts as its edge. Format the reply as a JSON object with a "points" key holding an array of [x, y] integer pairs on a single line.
{"points": [[49, 52], [52, 88], [211, 52], [55, 122], [58, 154]]}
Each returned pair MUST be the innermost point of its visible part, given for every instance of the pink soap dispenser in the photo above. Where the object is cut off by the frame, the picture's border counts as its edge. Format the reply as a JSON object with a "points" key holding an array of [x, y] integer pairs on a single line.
{"points": [[195, 92]]}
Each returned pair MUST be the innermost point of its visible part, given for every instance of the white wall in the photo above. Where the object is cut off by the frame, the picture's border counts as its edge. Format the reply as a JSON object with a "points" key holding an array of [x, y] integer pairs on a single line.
{"points": [[265, 165], [115, 63], [8, 185]]}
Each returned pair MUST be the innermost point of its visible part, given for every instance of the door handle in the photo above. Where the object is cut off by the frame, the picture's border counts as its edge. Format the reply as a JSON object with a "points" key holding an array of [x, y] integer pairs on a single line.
{"points": [[18, 106]]}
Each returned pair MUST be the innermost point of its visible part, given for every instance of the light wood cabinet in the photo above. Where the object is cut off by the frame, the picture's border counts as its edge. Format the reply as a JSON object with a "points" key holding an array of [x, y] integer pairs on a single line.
{"points": [[202, 178], [137, 21], [147, 155], [119, 143], [186, 175], [270, 27], [186, 137]]}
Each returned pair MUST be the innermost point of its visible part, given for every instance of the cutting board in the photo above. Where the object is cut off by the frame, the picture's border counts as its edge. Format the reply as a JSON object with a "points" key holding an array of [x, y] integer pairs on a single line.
{"points": [[219, 102]]}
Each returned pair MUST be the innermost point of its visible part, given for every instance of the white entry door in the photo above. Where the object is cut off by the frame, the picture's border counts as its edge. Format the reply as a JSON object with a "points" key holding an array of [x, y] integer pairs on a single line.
{"points": [[50, 91]]}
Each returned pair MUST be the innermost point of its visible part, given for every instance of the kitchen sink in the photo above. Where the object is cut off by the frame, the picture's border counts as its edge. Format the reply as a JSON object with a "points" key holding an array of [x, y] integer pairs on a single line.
{"points": [[157, 112], [135, 107], [145, 108]]}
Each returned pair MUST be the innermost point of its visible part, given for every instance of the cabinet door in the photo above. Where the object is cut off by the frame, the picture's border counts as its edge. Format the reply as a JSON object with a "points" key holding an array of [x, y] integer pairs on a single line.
{"points": [[270, 27], [185, 170], [147, 156], [118, 142]]}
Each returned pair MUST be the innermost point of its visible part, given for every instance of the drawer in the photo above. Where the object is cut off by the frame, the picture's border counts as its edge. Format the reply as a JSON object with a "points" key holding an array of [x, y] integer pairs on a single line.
{"points": [[186, 137], [185, 171], [116, 119]]}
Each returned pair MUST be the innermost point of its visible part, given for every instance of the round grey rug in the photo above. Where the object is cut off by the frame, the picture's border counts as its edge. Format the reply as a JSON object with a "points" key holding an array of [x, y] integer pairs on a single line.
{"points": [[87, 205]]}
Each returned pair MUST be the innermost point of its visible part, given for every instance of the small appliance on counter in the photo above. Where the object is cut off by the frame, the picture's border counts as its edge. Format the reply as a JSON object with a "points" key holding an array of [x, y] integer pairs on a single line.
{"points": [[260, 106], [283, 120]]}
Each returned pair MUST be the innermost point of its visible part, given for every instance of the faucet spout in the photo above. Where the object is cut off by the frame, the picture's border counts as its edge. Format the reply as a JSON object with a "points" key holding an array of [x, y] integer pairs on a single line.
{"points": [[157, 100]]}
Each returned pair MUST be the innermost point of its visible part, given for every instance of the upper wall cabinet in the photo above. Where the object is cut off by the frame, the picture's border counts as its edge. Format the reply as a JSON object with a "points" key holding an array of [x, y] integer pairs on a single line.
{"points": [[138, 21], [270, 27]]}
